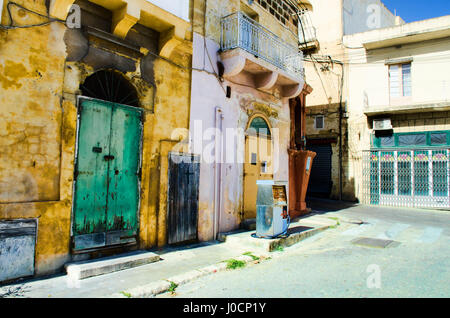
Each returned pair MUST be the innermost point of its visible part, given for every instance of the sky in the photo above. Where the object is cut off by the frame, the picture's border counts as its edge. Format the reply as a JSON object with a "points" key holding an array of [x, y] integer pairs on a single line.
{"points": [[415, 10]]}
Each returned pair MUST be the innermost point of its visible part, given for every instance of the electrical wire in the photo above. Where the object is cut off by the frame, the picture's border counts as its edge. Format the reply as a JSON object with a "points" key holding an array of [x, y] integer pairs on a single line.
{"points": [[353, 57], [11, 25], [220, 79], [205, 49], [51, 20], [363, 59], [299, 17]]}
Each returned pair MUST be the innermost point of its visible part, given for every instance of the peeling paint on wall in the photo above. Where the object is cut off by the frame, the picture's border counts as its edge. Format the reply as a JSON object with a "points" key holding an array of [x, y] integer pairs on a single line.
{"points": [[41, 70]]}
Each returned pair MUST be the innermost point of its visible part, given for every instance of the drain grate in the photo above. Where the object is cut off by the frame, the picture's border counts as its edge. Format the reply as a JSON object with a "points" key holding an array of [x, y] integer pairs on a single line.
{"points": [[373, 242]]}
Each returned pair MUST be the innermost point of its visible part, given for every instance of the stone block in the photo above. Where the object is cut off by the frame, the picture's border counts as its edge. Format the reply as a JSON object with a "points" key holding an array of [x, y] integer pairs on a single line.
{"points": [[86, 269]]}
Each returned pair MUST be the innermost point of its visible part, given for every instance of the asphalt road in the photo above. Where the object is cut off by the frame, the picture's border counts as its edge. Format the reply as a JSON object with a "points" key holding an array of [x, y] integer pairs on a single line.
{"points": [[415, 264]]}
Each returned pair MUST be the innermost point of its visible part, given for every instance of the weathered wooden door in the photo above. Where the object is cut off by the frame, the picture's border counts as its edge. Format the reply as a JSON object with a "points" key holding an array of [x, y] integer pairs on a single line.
{"points": [[183, 193], [107, 175], [258, 165]]}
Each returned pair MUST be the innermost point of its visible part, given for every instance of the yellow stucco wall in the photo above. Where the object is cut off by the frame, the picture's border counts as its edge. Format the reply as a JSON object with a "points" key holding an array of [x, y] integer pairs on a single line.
{"points": [[31, 138], [38, 96]]}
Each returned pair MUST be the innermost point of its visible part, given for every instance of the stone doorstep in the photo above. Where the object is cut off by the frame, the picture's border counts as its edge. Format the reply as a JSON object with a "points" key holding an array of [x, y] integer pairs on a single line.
{"points": [[90, 268]]}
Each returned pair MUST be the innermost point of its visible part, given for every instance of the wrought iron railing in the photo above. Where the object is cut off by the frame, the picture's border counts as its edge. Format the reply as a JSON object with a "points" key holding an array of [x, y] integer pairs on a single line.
{"points": [[407, 177], [239, 31], [306, 29], [308, 34]]}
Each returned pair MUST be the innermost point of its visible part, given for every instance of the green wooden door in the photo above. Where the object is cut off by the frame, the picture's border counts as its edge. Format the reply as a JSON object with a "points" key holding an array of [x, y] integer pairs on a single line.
{"points": [[106, 198]]}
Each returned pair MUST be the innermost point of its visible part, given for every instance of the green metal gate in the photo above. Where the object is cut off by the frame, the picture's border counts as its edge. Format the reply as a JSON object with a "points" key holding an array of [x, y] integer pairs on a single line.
{"points": [[407, 177], [107, 175]]}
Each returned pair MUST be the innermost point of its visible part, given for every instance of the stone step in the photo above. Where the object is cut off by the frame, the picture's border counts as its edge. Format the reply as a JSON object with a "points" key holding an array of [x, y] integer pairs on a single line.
{"points": [[96, 267], [296, 233]]}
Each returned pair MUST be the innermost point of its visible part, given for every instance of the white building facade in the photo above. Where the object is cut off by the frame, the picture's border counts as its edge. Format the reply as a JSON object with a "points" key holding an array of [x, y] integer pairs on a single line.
{"points": [[399, 114]]}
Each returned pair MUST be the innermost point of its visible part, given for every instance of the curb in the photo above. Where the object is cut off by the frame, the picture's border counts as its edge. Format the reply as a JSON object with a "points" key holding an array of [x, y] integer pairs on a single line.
{"points": [[291, 240], [162, 286], [271, 245]]}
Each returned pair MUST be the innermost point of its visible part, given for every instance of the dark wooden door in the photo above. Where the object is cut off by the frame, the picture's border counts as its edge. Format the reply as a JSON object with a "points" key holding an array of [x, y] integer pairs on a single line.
{"points": [[183, 191]]}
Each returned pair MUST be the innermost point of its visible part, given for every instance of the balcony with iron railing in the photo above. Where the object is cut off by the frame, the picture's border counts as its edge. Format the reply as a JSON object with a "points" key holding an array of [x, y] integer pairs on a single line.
{"points": [[252, 52]]}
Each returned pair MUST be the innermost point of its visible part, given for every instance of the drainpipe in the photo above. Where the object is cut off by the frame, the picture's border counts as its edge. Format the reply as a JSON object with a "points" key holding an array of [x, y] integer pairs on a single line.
{"points": [[218, 171], [340, 129]]}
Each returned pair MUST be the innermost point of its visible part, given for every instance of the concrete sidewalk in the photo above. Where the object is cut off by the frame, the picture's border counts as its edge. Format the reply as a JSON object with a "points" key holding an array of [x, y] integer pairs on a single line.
{"points": [[177, 266]]}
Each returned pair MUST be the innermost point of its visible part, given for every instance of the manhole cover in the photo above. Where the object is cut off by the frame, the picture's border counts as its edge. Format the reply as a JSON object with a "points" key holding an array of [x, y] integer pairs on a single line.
{"points": [[373, 242]]}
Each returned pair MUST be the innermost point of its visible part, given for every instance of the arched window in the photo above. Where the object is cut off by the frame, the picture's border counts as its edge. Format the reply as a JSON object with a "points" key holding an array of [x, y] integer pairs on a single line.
{"points": [[260, 125], [110, 86]]}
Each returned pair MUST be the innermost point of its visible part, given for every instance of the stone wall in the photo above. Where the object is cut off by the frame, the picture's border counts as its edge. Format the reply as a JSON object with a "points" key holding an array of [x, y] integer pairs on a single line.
{"points": [[41, 69], [428, 121]]}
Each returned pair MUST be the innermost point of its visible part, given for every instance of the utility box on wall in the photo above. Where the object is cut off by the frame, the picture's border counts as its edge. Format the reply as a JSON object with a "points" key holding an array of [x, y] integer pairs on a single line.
{"points": [[17, 248]]}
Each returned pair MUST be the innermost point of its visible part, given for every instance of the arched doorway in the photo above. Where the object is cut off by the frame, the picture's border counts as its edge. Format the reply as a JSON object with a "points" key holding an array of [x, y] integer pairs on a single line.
{"points": [[107, 165], [111, 86], [258, 163]]}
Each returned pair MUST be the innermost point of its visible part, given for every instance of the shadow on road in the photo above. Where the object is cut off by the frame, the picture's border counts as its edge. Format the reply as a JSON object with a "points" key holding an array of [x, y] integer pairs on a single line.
{"points": [[319, 205]]}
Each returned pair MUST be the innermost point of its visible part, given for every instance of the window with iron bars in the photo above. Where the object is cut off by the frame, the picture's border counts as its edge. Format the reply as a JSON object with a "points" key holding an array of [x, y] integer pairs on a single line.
{"points": [[282, 12]]}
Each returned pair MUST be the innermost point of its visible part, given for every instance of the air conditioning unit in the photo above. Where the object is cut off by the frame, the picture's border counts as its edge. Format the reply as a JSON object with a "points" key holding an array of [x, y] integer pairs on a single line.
{"points": [[382, 124]]}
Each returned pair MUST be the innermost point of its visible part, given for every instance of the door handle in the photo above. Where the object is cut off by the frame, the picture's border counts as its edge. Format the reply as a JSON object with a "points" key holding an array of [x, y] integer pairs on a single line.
{"points": [[108, 157]]}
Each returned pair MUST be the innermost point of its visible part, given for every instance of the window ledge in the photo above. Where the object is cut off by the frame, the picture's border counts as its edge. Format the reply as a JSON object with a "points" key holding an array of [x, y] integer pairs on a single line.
{"points": [[399, 109]]}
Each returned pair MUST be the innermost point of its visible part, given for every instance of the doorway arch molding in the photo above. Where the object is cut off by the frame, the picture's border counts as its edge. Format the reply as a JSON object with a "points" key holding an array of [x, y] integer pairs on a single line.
{"points": [[256, 115], [112, 86]]}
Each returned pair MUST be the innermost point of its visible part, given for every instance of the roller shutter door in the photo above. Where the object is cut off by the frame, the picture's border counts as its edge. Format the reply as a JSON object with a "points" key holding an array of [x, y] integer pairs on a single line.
{"points": [[320, 179]]}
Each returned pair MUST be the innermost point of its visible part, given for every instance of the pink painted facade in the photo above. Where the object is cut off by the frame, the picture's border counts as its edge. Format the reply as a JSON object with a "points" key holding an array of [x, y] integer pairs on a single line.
{"points": [[221, 184]]}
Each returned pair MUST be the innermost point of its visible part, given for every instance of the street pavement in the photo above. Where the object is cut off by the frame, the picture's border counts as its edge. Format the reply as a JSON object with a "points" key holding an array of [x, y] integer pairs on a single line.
{"points": [[330, 264], [177, 265]]}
